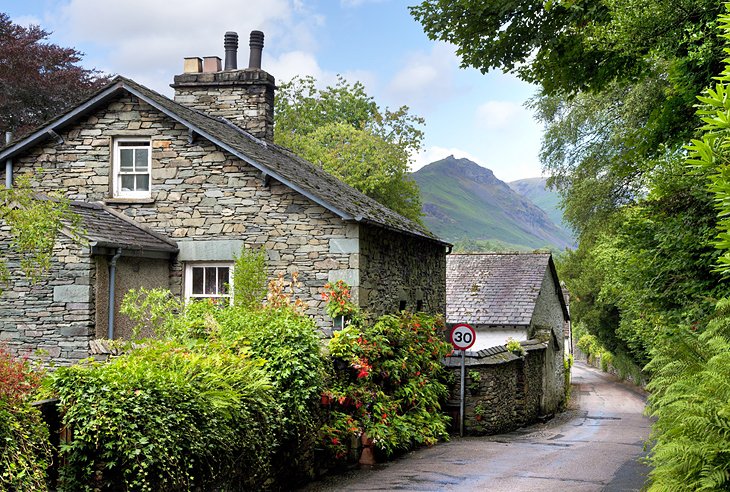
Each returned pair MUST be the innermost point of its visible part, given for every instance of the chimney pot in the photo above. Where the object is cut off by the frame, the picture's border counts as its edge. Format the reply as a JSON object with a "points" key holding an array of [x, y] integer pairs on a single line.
{"points": [[230, 43], [256, 43], [211, 64], [193, 65]]}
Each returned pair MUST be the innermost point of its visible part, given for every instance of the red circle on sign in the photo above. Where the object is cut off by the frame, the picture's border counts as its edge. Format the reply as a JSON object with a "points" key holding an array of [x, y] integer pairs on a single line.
{"points": [[462, 336]]}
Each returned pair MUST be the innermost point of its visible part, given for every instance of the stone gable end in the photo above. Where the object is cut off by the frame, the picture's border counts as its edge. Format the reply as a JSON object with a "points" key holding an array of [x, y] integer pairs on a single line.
{"points": [[199, 193]]}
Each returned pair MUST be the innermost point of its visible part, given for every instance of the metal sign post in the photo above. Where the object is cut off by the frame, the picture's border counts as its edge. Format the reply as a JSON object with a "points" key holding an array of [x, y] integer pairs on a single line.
{"points": [[462, 337], [461, 394]]}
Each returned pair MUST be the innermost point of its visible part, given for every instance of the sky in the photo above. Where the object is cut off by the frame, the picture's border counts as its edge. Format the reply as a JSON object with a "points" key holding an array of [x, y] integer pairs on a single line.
{"points": [[377, 42]]}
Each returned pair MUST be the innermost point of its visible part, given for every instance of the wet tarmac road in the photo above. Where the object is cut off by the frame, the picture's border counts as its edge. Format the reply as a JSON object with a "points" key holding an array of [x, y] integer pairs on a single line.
{"points": [[594, 446]]}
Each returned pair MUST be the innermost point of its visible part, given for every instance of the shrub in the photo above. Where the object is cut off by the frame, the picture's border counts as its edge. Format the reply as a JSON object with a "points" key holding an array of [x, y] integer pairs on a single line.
{"points": [[515, 347], [567, 366], [167, 416], [388, 384], [690, 394], [24, 447], [249, 278], [289, 346]]}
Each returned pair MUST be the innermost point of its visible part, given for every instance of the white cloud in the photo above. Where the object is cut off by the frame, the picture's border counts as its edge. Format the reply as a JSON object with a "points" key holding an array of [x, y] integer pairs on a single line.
{"points": [[495, 115], [425, 78], [147, 40]]}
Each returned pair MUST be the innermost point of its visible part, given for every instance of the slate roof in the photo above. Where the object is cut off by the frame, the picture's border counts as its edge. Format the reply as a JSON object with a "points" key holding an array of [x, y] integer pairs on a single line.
{"points": [[107, 228], [273, 160], [496, 289]]}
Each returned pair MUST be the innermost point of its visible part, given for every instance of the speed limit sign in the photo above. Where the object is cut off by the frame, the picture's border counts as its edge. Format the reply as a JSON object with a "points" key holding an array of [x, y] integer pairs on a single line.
{"points": [[463, 336]]}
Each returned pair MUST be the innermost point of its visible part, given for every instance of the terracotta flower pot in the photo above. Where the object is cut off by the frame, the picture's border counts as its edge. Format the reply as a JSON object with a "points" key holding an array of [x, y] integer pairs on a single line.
{"points": [[367, 457]]}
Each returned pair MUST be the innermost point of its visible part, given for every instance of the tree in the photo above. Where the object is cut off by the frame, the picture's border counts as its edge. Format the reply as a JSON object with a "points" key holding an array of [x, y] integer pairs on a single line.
{"points": [[342, 129], [617, 78], [38, 80]]}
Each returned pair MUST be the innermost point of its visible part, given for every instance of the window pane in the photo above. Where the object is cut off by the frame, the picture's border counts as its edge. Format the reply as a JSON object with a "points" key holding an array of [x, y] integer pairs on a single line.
{"points": [[126, 156], [143, 182], [197, 280], [140, 160], [127, 182], [210, 280], [223, 280]]}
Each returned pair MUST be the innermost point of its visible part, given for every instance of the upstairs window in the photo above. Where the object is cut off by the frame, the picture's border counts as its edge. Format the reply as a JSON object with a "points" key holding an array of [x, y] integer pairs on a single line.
{"points": [[209, 281], [132, 165]]}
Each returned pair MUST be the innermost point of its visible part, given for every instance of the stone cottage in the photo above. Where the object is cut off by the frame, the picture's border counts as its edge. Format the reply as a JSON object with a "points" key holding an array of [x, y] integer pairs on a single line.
{"points": [[169, 191], [514, 296]]}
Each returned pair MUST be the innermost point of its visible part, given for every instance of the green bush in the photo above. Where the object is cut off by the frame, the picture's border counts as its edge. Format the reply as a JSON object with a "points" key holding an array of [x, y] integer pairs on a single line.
{"points": [[24, 447], [387, 384], [167, 416], [567, 366], [289, 346], [691, 402], [249, 278]]}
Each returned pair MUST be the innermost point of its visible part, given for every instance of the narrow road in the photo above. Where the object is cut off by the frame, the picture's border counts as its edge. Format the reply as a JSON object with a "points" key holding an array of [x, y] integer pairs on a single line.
{"points": [[594, 446]]}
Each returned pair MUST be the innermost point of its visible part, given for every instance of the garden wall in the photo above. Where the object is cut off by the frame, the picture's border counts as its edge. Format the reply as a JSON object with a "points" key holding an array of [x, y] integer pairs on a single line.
{"points": [[502, 391]]}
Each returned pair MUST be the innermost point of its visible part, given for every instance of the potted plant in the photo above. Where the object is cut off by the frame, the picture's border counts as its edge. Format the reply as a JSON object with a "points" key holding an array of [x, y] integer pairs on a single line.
{"points": [[339, 306]]}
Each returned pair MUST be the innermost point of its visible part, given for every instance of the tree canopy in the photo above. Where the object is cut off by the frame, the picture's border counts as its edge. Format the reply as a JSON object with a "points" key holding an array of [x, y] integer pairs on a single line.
{"points": [[38, 80], [343, 130]]}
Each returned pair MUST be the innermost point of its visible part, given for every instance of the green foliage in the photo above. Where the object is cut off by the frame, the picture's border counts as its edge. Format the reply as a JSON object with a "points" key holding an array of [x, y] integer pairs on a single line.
{"points": [[34, 223], [515, 347], [25, 451], [388, 384], [567, 366], [285, 342], [475, 377], [690, 394], [342, 129], [338, 299], [249, 278], [166, 416]]}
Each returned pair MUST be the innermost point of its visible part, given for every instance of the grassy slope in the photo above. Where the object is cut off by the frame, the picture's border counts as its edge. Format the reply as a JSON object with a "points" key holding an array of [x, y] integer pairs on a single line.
{"points": [[465, 201]]}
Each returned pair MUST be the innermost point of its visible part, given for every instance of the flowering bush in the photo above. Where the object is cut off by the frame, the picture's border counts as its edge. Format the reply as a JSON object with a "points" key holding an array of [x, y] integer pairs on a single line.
{"points": [[24, 446], [337, 296], [387, 384]]}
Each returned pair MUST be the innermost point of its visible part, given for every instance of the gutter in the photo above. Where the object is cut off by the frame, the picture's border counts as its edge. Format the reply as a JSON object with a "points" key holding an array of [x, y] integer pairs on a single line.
{"points": [[112, 281], [8, 164]]}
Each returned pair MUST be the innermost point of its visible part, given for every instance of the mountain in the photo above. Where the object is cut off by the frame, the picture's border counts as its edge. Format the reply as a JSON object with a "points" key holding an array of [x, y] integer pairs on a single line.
{"points": [[535, 190], [464, 201]]}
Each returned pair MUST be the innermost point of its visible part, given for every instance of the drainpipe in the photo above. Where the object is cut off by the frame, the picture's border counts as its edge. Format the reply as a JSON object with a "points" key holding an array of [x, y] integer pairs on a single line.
{"points": [[112, 278], [8, 164]]}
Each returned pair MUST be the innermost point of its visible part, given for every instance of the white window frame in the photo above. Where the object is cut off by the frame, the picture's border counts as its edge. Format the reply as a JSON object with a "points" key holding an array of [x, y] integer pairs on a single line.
{"points": [[145, 143], [188, 279]]}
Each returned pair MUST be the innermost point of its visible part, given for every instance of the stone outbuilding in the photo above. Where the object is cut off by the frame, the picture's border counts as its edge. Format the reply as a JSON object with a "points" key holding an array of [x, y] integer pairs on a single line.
{"points": [[169, 191], [515, 296]]}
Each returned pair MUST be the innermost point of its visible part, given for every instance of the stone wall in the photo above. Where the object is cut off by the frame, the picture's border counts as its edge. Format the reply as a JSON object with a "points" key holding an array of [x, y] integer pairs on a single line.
{"points": [[548, 322], [200, 193], [54, 315], [502, 391], [399, 271]]}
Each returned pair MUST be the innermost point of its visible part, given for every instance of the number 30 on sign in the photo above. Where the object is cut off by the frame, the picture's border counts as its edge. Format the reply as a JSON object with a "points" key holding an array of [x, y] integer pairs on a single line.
{"points": [[463, 336]]}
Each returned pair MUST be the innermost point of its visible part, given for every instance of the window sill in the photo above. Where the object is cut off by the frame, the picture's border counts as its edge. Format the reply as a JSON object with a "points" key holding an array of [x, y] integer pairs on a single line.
{"points": [[128, 201]]}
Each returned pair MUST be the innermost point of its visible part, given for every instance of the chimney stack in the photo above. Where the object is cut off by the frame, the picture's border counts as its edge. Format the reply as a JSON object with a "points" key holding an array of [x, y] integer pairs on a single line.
{"points": [[244, 97], [256, 43], [230, 43]]}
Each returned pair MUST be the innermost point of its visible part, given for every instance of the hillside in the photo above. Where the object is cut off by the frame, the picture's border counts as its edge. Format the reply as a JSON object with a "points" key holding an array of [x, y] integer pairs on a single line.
{"points": [[534, 189], [462, 200]]}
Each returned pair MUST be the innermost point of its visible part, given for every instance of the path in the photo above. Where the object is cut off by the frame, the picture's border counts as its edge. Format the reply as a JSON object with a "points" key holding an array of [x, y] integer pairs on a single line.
{"points": [[592, 447]]}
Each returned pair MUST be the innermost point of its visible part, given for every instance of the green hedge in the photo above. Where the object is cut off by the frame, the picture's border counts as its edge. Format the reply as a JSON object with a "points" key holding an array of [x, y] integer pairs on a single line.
{"points": [[167, 416]]}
